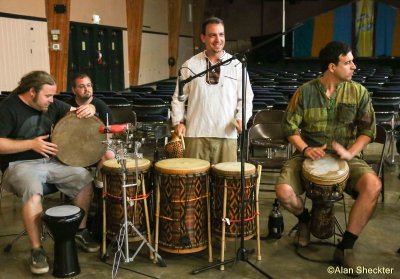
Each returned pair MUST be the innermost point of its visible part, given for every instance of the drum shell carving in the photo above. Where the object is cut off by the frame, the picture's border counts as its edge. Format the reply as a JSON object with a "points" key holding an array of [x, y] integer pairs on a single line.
{"points": [[230, 172], [324, 189], [183, 190], [112, 175]]}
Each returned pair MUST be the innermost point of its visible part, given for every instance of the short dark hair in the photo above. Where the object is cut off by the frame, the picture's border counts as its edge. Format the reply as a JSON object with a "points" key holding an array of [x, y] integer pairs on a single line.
{"points": [[210, 20], [331, 52], [35, 80], [78, 76]]}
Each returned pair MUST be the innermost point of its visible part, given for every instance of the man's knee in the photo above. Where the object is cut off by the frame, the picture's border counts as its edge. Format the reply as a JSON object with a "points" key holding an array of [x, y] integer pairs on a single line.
{"points": [[369, 184], [284, 192], [34, 201]]}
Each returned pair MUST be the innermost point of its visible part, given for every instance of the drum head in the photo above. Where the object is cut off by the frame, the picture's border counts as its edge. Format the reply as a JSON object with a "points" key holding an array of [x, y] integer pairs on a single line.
{"points": [[62, 211], [182, 166], [79, 141], [327, 170], [113, 165], [233, 169]]}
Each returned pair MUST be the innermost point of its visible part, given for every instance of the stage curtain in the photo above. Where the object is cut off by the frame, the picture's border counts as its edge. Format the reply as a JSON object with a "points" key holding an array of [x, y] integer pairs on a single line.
{"points": [[364, 28], [323, 32]]}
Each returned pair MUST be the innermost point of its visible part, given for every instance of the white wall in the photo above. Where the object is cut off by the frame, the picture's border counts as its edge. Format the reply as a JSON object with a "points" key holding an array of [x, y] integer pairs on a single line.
{"points": [[23, 48], [153, 58], [17, 39], [154, 49]]}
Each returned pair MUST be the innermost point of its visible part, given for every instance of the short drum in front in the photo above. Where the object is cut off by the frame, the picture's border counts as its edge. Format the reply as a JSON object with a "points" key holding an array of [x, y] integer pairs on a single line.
{"points": [[324, 180], [227, 176], [182, 220], [63, 222], [137, 196]]}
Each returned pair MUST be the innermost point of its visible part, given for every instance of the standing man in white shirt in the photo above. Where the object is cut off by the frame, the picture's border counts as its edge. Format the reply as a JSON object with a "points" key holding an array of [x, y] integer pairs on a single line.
{"points": [[213, 118]]}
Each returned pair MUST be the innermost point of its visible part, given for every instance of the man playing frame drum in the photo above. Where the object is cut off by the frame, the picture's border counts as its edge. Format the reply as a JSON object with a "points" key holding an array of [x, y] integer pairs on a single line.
{"points": [[28, 158], [335, 115], [82, 87]]}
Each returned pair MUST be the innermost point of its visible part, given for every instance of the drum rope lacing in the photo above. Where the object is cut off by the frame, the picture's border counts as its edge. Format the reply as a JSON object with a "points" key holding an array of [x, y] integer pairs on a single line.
{"points": [[130, 198], [227, 220], [193, 199]]}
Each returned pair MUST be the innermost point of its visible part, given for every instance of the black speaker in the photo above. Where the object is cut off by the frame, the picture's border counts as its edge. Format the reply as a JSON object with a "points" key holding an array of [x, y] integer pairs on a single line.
{"points": [[60, 9]]}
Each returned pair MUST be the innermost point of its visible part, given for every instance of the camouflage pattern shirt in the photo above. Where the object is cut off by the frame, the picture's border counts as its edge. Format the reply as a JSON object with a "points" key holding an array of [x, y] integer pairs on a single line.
{"points": [[347, 114]]}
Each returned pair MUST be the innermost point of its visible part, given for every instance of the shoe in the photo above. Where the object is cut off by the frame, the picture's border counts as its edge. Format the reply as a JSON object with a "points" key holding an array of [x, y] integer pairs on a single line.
{"points": [[346, 258], [38, 261], [303, 234], [85, 241]]}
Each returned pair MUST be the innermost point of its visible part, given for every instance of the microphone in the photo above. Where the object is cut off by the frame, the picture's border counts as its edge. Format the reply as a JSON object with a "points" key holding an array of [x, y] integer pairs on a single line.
{"points": [[114, 129], [181, 96]]}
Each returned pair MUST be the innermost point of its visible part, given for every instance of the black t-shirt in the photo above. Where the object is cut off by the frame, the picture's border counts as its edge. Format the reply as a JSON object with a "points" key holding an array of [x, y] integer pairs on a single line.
{"points": [[101, 109], [22, 122]]}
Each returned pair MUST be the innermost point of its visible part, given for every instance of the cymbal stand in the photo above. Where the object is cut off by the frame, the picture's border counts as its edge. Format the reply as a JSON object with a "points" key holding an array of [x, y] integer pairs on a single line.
{"points": [[123, 233]]}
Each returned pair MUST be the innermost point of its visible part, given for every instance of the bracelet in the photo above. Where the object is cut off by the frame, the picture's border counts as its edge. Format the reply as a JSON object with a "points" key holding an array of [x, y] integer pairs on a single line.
{"points": [[304, 150]]}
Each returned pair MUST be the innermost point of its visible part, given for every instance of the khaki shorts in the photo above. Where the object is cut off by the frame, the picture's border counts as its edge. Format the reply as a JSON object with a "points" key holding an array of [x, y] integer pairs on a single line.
{"points": [[291, 173], [26, 178], [214, 150]]}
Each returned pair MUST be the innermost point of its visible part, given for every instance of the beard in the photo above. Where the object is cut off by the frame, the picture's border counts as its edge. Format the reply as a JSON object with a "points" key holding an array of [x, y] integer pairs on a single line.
{"points": [[40, 107]]}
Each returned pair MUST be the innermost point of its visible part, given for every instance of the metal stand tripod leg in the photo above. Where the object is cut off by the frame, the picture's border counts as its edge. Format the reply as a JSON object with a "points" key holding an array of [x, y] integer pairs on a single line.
{"points": [[123, 235]]}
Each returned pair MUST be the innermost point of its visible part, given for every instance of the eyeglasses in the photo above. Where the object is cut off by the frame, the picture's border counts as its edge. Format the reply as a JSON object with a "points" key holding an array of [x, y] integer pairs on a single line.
{"points": [[82, 86]]}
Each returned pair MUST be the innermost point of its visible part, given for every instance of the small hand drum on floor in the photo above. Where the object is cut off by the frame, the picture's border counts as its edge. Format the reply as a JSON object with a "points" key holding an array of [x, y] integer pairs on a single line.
{"points": [[324, 180], [63, 222]]}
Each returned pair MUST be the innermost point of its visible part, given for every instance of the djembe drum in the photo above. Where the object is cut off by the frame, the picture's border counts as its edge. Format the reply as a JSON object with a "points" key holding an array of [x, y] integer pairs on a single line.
{"points": [[137, 197], [324, 180], [182, 208], [226, 206], [63, 222]]}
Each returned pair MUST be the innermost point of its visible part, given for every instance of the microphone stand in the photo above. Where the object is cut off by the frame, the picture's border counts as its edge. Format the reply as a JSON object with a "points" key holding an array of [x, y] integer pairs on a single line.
{"points": [[242, 253]]}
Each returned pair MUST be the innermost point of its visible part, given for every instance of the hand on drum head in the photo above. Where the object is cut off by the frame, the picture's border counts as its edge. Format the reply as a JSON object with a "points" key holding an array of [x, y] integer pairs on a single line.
{"points": [[315, 152], [85, 111], [43, 147]]}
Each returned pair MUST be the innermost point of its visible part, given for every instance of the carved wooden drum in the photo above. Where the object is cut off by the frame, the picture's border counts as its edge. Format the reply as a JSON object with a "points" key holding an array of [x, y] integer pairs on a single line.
{"points": [[137, 196], [324, 180], [182, 221], [228, 176]]}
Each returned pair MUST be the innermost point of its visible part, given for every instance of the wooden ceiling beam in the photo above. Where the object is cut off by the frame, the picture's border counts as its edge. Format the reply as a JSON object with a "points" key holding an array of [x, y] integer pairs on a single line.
{"points": [[58, 19], [134, 15]]}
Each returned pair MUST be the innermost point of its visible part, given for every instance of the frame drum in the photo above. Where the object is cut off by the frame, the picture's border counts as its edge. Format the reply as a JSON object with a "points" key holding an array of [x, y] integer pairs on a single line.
{"points": [[80, 144]]}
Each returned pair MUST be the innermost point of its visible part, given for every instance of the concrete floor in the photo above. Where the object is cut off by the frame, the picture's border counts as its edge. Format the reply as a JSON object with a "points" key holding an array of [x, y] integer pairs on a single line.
{"points": [[376, 248]]}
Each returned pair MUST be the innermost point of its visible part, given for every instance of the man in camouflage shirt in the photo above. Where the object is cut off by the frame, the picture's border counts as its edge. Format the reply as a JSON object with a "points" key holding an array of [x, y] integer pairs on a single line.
{"points": [[331, 114]]}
